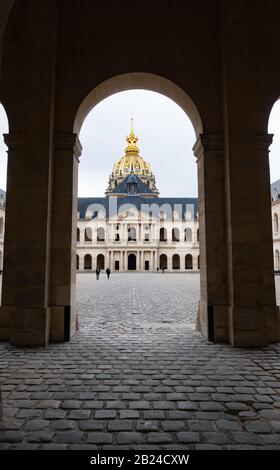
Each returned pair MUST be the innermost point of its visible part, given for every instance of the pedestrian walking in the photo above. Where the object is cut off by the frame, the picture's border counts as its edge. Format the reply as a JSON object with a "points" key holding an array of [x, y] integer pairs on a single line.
{"points": [[97, 272], [108, 272]]}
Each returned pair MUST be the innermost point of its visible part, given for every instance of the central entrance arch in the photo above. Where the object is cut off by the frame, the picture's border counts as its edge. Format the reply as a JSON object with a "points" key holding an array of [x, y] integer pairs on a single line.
{"points": [[131, 262]]}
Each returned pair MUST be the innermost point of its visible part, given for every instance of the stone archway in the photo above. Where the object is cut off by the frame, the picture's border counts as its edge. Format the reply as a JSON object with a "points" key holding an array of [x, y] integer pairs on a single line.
{"points": [[231, 150]]}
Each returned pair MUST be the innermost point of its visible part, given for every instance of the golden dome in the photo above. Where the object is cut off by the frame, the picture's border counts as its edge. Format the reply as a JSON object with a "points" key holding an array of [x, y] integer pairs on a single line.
{"points": [[132, 162]]}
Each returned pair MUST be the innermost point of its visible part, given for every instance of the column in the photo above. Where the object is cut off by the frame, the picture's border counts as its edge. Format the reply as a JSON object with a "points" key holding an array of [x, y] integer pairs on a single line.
{"points": [[213, 307], [25, 314], [253, 315], [138, 261], [121, 261]]}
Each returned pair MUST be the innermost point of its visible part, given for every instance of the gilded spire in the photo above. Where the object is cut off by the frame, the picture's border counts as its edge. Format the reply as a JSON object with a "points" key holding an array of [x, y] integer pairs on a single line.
{"points": [[132, 139]]}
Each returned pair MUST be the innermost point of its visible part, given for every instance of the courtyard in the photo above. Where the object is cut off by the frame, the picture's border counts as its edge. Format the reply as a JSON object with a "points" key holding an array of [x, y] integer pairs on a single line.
{"points": [[138, 376]]}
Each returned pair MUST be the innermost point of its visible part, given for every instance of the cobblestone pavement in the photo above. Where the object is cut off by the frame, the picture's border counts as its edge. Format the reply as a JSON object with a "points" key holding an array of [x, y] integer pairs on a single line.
{"points": [[139, 376]]}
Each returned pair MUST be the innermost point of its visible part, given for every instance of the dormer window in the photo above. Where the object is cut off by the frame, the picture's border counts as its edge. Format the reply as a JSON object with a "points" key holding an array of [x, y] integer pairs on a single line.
{"points": [[132, 188]]}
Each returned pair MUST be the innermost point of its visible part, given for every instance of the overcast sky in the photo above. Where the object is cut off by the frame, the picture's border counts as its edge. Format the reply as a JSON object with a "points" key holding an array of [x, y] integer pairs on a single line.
{"points": [[165, 136]]}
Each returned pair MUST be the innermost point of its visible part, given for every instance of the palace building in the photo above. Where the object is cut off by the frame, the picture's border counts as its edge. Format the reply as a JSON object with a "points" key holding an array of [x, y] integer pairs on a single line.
{"points": [[132, 228]]}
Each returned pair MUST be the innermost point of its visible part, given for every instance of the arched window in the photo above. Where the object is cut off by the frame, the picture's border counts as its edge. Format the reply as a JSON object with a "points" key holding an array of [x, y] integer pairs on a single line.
{"points": [[197, 235], [88, 234], [131, 236], [77, 262], [198, 262], [275, 223], [1, 260], [188, 262], [87, 262], [175, 262], [188, 234], [78, 234], [100, 234], [100, 261], [1, 226], [163, 262], [163, 235], [175, 235]]}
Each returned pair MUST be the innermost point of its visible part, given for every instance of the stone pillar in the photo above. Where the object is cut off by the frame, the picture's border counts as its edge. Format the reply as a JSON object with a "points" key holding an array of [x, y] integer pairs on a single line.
{"points": [[137, 261], [253, 315], [214, 299], [25, 313], [63, 246], [121, 261]]}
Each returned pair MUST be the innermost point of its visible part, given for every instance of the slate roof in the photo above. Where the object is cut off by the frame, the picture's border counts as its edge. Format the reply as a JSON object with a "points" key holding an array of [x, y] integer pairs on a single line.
{"points": [[275, 187], [112, 205], [142, 188]]}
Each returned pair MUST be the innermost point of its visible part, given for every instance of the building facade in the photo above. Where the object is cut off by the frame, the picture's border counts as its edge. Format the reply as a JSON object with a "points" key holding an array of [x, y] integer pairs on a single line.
{"points": [[275, 206], [132, 228], [2, 227]]}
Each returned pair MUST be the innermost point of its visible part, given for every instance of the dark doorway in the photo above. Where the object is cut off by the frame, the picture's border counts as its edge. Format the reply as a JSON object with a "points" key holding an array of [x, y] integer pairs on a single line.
{"points": [[147, 265], [117, 265], [100, 262], [163, 262], [131, 262]]}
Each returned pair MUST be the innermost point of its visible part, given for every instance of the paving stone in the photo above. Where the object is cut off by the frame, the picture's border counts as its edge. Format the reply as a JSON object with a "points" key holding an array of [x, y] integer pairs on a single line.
{"points": [[105, 414], [79, 414], [120, 425], [188, 437], [145, 426], [69, 437], [257, 426], [129, 438], [55, 414], [99, 438], [40, 436], [173, 426], [159, 438], [36, 425], [228, 425], [72, 404], [129, 414]]}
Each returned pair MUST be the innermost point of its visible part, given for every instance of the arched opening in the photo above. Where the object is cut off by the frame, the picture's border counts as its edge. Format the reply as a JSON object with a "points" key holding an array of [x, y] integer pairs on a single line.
{"points": [[198, 262], [131, 234], [175, 235], [277, 260], [188, 262], [131, 262], [88, 235], [176, 262], [275, 224], [87, 262], [4, 126], [274, 151], [163, 235], [78, 234], [188, 235], [132, 230], [100, 234], [163, 262], [77, 262], [197, 235], [100, 261]]}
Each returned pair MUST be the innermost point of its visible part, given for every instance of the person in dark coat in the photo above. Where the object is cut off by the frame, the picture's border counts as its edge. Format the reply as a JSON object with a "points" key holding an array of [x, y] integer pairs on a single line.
{"points": [[108, 272], [97, 272]]}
